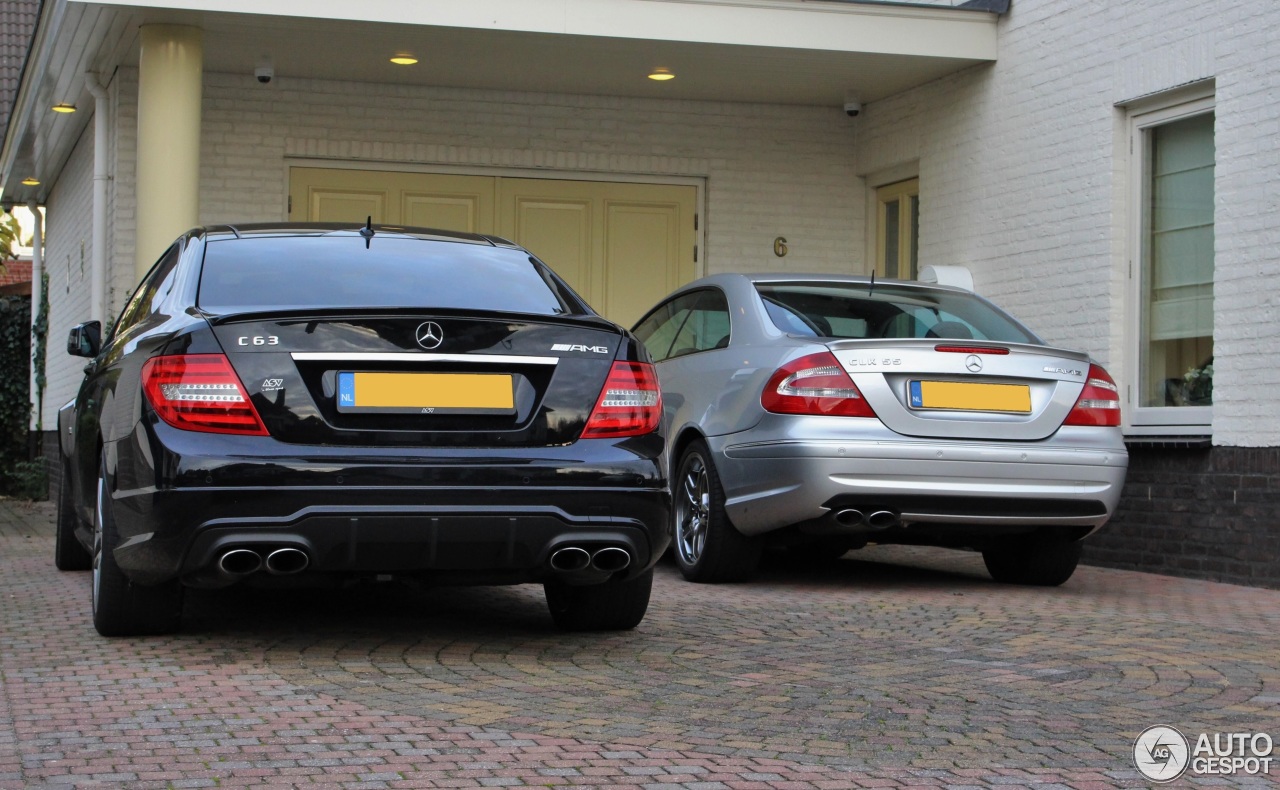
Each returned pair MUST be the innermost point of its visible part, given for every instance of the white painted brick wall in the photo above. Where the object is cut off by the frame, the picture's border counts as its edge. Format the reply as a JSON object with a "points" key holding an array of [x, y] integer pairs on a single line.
{"points": [[770, 170], [1022, 176], [1021, 165], [67, 258], [1247, 224]]}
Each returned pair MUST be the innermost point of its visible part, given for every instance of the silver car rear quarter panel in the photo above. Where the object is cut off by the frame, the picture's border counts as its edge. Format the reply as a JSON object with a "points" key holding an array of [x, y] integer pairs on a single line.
{"points": [[784, 476]]}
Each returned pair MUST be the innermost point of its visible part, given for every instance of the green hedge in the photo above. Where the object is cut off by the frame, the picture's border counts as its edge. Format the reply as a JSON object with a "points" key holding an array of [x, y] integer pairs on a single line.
{"points": [[19, 476]]}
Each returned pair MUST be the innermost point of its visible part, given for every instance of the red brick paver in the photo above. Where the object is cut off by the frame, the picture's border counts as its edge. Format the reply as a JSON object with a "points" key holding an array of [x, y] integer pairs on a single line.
{"points": [[892, 668]]}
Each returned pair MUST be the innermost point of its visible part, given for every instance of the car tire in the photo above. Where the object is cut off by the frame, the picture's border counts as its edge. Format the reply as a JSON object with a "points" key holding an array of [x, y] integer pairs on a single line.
{"points": [[615, 605], [708, 548], [1042, 563], [120, 607], [68, 554]]}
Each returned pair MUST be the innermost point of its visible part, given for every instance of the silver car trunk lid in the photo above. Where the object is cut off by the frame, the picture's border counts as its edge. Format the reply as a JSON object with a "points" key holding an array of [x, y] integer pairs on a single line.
{"points": [[964, 389]]}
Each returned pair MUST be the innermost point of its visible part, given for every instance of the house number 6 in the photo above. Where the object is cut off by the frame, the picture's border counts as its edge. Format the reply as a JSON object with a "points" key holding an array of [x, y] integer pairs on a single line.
{"points": [[780, 247]]}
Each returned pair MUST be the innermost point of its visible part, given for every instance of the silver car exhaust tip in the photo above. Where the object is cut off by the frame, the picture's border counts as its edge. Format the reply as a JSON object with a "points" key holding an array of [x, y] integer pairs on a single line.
{"points": [[882, 519], [611, 559], [240, 562], [570, 559], [850, 518], [288, 560]]}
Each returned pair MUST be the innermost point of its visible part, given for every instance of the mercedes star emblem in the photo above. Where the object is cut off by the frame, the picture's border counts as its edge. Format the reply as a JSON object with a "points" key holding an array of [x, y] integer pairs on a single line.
{"points": [[429, 335], [973, 362]]}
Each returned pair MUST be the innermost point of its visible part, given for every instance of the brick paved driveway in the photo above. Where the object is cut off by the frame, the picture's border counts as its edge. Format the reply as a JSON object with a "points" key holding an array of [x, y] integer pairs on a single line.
{"points": [[891, 668]]}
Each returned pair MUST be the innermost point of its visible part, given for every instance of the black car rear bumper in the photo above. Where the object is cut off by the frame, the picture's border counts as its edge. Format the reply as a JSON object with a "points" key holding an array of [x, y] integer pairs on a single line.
{"points": [[455, 517]]}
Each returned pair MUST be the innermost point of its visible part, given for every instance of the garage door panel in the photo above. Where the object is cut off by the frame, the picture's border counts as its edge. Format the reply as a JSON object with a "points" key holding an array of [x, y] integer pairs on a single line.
{"points": [[446, 212], [331, 205], [559, 232], [641, 258], [622, 246]]}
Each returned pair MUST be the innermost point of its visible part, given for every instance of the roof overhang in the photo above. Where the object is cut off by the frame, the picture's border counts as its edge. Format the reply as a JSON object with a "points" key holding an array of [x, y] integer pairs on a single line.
{"points": [[804, 52]]}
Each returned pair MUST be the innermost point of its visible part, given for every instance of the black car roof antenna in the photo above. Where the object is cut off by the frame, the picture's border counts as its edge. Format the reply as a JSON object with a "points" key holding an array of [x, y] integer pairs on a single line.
{"points": [[367, 231], [872, 287]]}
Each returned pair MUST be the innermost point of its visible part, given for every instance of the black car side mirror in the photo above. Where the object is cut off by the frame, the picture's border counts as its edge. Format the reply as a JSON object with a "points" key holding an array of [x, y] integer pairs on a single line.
{"points": [[85, 339]]}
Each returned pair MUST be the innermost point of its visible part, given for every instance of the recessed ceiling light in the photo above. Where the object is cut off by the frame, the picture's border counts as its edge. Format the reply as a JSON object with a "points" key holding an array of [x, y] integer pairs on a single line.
{"points": [[661, 74], [31, 181], [63, 108], [404, 59]]}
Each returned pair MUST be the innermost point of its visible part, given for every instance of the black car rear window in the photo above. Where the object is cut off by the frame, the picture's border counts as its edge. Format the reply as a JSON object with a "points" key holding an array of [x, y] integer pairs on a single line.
{"points": [[859, 311], [300, 272]]}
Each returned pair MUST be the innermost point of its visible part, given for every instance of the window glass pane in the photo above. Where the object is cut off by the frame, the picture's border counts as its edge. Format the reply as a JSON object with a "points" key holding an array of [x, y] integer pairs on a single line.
{"points": [[913, 243], [393, 271], [891, 211], [707, 327], [658, 329], [890, 311], [150, 293], [1177, 296], [711, 321]]}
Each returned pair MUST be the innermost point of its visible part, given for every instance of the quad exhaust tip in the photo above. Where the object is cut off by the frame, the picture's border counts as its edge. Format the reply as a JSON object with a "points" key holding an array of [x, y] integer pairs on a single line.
{"points": [[850, 518], [882, 519], [287, 561], [611, 559], [876, 519], [570, 559], [240, 562], [281, 561]]}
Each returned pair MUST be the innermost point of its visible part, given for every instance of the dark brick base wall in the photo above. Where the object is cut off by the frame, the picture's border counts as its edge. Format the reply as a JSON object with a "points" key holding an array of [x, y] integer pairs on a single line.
{"points": [[1211, 513]]}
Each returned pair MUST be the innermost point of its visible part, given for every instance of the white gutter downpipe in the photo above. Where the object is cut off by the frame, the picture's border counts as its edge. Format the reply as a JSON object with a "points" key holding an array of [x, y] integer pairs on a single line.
{"points": [[37, 294], [101, 116]]}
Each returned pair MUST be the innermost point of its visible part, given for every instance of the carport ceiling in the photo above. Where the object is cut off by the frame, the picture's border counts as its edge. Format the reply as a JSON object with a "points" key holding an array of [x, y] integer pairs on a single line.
{"points": [[797, 52], [558, 63]]}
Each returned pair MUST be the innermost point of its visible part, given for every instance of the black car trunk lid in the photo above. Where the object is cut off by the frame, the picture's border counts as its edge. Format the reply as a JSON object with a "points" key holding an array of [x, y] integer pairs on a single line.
{"points": [[401, 378]]}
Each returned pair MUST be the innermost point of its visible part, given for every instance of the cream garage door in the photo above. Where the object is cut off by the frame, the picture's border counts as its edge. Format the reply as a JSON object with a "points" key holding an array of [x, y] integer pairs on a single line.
{"points": [[623, 246]]}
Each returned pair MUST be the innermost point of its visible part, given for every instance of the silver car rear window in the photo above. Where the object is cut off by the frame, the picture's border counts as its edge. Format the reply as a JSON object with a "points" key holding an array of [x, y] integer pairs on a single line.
{"points": [[300, 272], [859, 311]]}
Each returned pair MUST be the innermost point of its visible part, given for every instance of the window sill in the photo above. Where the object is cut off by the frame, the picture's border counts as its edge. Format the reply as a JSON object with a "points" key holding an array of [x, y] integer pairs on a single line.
{"points": [[1170, 442]]}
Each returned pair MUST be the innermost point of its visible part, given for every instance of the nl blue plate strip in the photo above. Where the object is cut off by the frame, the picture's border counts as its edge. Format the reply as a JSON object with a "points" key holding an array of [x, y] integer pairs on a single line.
{"points": [[917, 400], [346, 389]]}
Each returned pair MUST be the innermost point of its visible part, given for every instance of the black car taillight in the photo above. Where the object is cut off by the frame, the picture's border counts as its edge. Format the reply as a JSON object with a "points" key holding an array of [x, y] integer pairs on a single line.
{"points": [[629, 405], [200, 392]]}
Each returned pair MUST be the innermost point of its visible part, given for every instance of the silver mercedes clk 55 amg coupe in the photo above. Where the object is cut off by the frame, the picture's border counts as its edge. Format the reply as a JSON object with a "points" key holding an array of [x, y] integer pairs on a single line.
{"points": [[823, 412]]}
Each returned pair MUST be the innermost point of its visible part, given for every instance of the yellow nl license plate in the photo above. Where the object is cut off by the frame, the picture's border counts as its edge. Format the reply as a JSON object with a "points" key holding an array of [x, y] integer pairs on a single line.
{"points": [[426, 393], [965, 396]]}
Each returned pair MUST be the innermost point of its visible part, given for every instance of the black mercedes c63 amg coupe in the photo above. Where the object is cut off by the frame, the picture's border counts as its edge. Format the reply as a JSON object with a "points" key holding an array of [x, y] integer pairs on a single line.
{"points": [[346, 402]]}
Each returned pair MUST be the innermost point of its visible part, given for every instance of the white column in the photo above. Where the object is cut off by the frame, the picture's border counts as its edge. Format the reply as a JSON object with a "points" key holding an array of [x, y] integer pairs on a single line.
{"points": [[98, 307], [170, 70]]}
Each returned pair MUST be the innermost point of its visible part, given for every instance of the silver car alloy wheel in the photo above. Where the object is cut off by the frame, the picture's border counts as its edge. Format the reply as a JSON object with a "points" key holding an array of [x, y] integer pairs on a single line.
{"points": [[693, 510], [97, 543]]}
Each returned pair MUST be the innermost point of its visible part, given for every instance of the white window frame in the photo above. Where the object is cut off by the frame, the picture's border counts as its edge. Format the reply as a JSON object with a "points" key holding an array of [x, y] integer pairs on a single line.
{"points": [[874, 182], [1140, 420]]}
